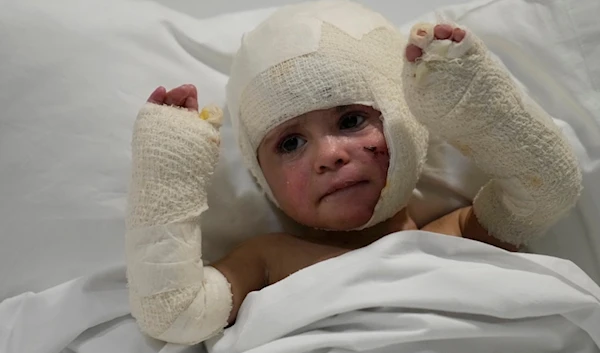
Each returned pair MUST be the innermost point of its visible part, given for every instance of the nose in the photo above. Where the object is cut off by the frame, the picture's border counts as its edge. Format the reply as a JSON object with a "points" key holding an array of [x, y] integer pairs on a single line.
{"points": [[332, 154]]}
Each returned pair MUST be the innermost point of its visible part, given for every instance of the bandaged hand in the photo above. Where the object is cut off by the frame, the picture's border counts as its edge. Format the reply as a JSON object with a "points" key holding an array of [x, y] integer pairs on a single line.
{"points": [[175, 148], [461, 94]]}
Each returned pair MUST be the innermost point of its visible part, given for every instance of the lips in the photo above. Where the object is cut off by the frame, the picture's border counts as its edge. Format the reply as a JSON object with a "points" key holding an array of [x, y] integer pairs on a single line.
{"points": [[341, 186]]}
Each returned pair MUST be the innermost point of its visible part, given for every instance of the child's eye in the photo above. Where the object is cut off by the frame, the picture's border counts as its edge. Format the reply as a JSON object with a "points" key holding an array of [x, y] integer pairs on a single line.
{"points": [[351, 120], [290, 144]]}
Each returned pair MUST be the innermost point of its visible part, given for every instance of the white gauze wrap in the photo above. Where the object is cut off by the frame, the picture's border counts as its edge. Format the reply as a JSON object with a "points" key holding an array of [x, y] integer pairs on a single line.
{"points": [[172, 296], [318, 55], [462, 95]]}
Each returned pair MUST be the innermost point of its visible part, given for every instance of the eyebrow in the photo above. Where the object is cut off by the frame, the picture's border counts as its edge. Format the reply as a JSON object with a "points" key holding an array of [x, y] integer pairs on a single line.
{"points": [[282, 130], [342, 108], [291, 125]]}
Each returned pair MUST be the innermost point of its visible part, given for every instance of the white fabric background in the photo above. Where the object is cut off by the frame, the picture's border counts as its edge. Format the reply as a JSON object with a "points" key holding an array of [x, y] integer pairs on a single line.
{"points": [[392, 10]]}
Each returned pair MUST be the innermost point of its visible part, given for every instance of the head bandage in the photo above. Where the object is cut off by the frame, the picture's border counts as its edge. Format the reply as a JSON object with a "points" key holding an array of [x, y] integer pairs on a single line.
{"points": [[318, 55]]}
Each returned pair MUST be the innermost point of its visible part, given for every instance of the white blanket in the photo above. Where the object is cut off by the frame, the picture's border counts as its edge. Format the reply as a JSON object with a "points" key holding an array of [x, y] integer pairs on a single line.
{"points": [[422, 292], [409, 292]]}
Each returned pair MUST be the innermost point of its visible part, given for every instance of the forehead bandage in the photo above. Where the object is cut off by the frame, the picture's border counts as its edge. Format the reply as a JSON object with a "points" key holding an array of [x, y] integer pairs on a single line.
{"points": [[319, 55]]}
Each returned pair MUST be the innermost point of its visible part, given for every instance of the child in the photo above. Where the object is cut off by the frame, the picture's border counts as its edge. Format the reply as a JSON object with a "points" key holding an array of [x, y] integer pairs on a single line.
{"points": [[332, 110]]}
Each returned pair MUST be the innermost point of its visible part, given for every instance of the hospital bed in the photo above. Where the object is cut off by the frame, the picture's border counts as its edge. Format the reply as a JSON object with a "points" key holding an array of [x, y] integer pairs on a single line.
{"points": [[74, 73]]}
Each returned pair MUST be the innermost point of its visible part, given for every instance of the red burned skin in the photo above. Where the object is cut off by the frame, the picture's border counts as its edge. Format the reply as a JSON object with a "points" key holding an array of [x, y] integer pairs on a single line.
{"points": [[374, 150]]}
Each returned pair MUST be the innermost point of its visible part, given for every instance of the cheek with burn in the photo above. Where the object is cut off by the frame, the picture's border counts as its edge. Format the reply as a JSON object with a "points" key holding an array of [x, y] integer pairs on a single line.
{"points": [[377, 149], [293, 187]]}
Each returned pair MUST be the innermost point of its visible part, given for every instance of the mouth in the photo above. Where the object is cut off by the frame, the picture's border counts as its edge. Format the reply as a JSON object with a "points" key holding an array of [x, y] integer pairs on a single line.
{"points": [[343, 186]]}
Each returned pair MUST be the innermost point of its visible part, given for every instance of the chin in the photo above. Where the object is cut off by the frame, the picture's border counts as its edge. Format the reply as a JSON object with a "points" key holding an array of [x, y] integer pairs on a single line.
{"points": [[348, 220]]}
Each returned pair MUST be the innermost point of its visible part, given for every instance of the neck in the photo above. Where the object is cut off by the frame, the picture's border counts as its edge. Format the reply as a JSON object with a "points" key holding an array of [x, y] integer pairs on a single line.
{"points": [[360, 238]]}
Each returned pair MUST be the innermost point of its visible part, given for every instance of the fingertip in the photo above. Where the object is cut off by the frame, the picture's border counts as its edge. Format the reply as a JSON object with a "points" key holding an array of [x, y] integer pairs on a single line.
{"points": [[190, 89], [442, 31], [158, 95], [177, 96], [458, 35], [413, 52], [191, 103]]}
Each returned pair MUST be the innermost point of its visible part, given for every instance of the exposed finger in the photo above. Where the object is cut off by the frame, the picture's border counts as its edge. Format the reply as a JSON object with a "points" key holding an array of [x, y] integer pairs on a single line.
{"points": [[458, 35], [177, 96], [193, 91], [442, 31], [413, 52], [191, 103], [158, 96]]}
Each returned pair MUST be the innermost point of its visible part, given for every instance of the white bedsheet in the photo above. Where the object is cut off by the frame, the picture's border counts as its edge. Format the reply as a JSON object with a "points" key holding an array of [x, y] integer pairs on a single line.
{"points": [[423, 292], [409, 292]]}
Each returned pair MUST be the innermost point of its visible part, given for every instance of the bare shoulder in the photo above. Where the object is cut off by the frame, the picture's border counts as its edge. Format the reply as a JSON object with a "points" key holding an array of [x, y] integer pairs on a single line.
{"points": [[268, 258], [449, 224], [464, 223], [289, 254], [246, 269]]}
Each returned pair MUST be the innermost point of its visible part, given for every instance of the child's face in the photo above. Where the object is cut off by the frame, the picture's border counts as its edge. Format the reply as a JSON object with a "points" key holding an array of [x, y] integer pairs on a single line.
{"points": [[327, 168]]}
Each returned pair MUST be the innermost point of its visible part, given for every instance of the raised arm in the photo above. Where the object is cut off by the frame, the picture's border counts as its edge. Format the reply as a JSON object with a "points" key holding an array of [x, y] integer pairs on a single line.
{"points": [[460, 93], [173, 297]]}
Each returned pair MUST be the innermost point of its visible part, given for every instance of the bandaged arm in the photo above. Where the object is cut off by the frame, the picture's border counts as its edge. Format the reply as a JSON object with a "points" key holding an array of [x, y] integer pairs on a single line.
{"points": [[535, 175], [173, 297], [472, 102]]}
